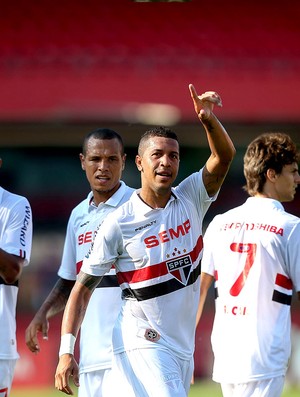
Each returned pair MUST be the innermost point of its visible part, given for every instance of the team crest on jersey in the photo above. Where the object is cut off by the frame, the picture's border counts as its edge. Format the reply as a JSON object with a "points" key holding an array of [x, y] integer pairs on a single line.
{"points": [[152, 335], [180, 268]]}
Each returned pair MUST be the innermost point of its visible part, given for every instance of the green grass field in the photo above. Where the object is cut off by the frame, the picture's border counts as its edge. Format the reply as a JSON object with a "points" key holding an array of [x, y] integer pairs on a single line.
{"points": [[199, 389]]}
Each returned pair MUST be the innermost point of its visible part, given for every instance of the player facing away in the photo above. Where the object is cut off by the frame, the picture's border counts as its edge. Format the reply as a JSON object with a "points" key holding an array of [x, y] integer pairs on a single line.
{"points": [[103, 160], [252, 252], [15, 251], [155, 242]]}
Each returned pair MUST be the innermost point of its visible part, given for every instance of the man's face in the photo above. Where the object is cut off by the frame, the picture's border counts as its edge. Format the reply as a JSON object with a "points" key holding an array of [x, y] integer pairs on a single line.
{"points": [[159, 163], [286, 183], [103, 164]]}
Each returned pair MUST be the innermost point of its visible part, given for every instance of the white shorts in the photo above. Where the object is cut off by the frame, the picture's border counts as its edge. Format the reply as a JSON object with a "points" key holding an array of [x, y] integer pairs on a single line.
{"points": [[265, 388], [92, 384], [151, 372], [7, 368]]}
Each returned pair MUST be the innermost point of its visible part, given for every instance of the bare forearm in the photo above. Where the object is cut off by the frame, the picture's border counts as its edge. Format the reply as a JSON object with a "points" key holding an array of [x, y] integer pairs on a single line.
{"points": [[220, 144], [57, 299], [77, 303], [222, 153], [206, 281]]}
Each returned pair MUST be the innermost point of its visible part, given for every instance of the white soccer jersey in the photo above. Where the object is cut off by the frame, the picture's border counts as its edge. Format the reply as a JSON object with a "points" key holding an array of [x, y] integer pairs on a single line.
{"points": [[104, 306], [254, 253], [157, 255], [16, 239]]}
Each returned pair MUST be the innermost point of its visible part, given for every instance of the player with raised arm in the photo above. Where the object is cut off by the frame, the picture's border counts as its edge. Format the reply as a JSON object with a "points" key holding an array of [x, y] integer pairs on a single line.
{"points": [[155, 242], [253, 254]]}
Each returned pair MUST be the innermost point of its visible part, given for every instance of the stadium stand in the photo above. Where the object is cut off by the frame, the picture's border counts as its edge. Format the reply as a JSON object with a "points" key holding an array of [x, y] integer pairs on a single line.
{"points": [[70, 59]]}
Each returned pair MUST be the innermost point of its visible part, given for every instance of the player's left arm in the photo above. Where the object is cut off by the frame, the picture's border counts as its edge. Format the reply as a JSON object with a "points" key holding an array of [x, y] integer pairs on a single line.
{"points": [[72, 319], [220, 144]]}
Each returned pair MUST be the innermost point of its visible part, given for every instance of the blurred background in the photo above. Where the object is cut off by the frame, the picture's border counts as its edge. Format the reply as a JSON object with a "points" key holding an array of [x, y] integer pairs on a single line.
{"points": [[67, 67]]}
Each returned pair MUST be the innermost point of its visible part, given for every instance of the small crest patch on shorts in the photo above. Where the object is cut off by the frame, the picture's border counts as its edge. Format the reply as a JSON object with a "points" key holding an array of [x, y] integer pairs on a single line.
{"points": [[152, 335]]}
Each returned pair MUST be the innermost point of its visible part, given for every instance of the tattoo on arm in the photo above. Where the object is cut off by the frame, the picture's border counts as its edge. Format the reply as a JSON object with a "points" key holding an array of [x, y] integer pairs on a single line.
{"points": [[89, 281], [57, 299], [212, 180], [209, 126]]}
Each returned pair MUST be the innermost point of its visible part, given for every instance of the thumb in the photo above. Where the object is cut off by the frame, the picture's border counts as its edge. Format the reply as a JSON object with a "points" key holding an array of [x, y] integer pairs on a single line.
{"points": [[204, 114]]}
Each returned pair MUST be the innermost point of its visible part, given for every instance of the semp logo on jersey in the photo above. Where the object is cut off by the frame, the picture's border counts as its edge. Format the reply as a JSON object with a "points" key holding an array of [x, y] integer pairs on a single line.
{"points": [[180, 268]]}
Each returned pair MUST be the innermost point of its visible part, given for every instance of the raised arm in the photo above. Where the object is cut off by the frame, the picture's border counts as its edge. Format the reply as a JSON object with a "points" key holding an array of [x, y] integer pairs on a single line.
{"points": [[53, 304], [221, 146], [71, 323]]}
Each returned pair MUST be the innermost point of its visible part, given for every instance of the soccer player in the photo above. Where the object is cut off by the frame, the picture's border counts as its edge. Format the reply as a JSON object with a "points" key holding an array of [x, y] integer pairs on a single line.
{"points": [[253, 254], [155, 242], [103, 160], [15, 251]]}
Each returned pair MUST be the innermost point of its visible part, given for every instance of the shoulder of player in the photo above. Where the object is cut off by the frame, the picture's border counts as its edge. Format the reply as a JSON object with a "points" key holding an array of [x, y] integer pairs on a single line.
{"points": [[80, 208], [124, 211], [128, 191], [14, 200]]}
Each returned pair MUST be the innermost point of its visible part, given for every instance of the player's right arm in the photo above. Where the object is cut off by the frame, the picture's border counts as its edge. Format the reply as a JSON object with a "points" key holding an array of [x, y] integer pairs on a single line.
{"points": [[53, 304], [10, 267], [72, 319], [205, 283], [16, 240]]}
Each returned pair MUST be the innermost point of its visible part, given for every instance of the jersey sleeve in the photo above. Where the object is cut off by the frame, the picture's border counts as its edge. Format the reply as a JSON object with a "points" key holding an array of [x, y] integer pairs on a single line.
{"points": [[293, 256], [105, 249], [209, 244], [17, 237], [67, 268]]}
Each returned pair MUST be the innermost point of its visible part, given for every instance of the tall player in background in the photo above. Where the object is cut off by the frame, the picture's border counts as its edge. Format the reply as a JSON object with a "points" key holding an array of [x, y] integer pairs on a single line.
{"points": [[103, 160], [15, 251], [155, 242], [253, 253]]}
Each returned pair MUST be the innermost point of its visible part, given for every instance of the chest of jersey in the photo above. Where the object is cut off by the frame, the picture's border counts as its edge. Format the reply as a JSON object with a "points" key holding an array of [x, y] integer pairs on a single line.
{"points": [[166, 245]]}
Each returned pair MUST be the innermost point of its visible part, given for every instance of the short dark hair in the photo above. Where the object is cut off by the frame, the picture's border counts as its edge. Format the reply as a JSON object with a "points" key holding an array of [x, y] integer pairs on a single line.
{"points": [[102, 133], [271, 150], [163, 132]]}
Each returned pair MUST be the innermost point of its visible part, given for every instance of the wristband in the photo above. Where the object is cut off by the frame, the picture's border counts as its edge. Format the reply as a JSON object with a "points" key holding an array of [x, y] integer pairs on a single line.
{"points": [[67, 344]]}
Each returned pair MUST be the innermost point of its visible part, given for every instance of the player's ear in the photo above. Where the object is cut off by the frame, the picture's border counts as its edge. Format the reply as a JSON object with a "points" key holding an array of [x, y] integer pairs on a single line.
{"points": [[138, 162], [81, 157], [123, 161], [271, 174]]}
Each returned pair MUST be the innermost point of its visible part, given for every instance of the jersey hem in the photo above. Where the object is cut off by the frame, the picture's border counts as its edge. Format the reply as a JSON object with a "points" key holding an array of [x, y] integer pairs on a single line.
{"points": [[92, 368], [254, 378]]}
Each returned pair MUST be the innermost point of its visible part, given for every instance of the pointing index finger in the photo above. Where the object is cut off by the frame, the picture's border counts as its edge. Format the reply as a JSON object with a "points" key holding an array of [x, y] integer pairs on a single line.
{"points": [[193, 91]]}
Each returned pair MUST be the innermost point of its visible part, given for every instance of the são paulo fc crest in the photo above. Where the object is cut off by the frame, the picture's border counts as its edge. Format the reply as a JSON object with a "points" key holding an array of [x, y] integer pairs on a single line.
{"points": [[180, 268], [152, 335]]}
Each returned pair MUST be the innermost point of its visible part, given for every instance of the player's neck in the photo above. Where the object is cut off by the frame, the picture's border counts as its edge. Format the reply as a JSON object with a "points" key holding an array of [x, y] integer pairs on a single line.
{"points": [[154, 200]]}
